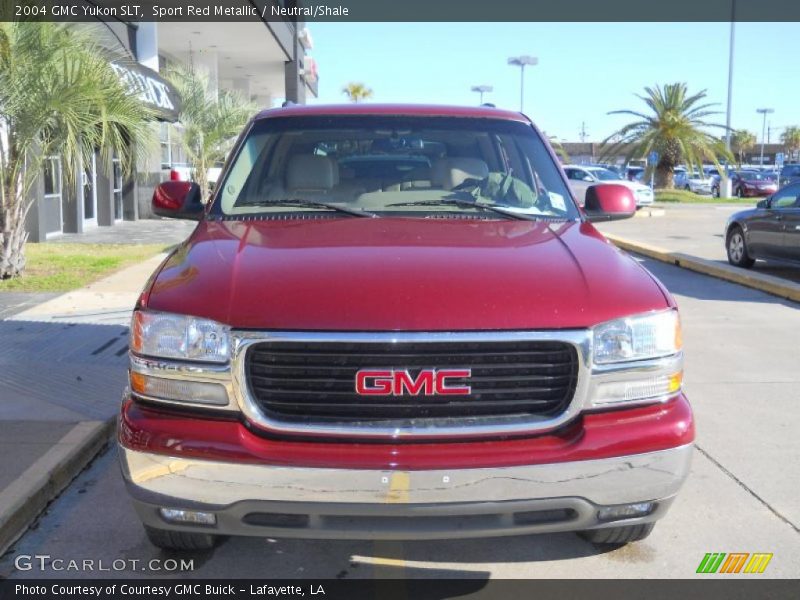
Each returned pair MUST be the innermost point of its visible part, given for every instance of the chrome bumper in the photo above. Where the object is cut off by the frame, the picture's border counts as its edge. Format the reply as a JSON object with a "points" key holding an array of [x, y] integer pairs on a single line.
{"points": [[359, 504]]}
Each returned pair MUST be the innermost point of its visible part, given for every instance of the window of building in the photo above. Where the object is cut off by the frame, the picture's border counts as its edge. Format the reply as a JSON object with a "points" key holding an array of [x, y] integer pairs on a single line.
{"points": [[52, 176], [117, 188], [171, 149]]}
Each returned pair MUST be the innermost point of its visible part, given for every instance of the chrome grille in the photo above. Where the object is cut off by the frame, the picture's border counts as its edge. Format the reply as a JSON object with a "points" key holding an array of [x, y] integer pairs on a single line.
{"points": [[310, 382]]}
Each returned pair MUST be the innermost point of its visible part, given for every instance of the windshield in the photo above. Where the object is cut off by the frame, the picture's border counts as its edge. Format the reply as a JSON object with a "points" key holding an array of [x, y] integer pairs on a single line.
{"points": [[394, 166], [605, 175], [753, 176]]}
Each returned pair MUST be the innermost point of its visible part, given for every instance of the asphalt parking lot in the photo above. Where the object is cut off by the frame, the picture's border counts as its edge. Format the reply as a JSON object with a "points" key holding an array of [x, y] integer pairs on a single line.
{"points": [[696, 229], [742, 379]]}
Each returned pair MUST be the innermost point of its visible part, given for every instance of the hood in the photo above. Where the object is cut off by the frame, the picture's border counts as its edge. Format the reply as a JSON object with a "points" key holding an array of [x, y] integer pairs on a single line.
{"points": [[406, 274]]}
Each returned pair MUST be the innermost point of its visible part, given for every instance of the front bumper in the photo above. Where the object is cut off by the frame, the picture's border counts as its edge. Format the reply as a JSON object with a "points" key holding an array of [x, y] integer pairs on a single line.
{"points": [[255, 491], [370, 504]]}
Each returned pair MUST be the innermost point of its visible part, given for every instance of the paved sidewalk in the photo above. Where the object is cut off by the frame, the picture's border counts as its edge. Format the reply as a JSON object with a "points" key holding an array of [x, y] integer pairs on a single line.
{"points": [[145, 231], [63, 364]]}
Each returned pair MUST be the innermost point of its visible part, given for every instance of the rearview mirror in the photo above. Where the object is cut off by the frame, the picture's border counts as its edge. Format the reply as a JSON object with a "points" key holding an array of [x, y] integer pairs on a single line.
{"points": [[178, 200], [609, 202]]}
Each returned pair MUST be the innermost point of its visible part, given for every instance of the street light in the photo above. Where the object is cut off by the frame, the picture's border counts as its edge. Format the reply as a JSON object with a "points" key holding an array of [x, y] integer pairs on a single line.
{"points": [[481, 89], [764, 112], [521, 62], [730, 78]]}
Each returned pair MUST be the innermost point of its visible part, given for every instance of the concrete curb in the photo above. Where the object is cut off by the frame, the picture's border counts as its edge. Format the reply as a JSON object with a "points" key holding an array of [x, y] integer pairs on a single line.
{"points": [[25, 499], [759, 281]]}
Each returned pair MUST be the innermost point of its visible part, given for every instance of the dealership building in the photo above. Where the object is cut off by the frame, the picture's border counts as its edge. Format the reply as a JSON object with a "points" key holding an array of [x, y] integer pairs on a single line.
{"points": [[268, 62]]}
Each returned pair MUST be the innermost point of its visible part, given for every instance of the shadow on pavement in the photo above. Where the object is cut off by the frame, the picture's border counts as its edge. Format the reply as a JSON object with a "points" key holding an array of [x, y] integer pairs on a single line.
{"points": [[685, 282]]}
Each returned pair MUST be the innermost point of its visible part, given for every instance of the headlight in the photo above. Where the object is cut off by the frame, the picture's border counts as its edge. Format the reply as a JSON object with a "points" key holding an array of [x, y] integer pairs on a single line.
{"points": [[640, 337], [637, 360], [165, 335]]}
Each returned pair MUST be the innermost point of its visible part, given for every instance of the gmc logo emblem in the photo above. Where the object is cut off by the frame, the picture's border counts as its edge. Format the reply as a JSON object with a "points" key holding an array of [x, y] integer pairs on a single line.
{"points": [[395, 382]]}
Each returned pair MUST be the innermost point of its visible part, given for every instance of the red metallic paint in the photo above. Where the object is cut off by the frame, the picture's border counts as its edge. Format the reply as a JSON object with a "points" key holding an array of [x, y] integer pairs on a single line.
{"points": [[402, 274], [592, 436], [412, 110]]}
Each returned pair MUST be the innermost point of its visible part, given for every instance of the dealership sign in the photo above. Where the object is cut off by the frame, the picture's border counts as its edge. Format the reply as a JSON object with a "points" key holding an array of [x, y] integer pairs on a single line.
{"points": [[151, 88]]}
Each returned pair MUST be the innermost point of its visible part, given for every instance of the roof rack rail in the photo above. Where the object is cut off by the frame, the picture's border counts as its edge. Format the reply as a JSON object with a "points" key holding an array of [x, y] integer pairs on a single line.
{"points": [[488, 105]]}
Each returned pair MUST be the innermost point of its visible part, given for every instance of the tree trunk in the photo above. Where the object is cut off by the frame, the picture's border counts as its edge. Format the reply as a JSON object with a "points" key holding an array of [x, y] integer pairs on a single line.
{"points": [[664, 177], [12, 235]]}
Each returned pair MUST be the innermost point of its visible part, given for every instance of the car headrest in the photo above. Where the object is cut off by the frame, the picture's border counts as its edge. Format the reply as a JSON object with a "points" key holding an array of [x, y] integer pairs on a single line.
{"points": [[311, 172], [448, 173]]}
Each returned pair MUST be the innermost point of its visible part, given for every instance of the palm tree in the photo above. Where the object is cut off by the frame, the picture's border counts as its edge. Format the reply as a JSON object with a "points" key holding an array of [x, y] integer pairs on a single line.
{"points": [[791, 139], [58, 97], [742, 141], [356, 92], [674, 128], [211, 121]]}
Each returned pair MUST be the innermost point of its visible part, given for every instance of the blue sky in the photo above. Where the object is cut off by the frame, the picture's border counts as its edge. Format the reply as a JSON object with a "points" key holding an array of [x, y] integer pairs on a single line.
{"points": [[584, 70]]}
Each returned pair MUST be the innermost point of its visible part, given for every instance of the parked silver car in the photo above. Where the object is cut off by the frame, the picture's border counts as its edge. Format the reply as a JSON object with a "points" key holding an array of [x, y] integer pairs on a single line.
{"points": [[698, 182], [581, 177]]}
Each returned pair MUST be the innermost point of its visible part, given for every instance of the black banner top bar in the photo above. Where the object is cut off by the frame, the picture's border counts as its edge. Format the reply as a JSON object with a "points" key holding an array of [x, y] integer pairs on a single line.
{"points": [[402, 10]]}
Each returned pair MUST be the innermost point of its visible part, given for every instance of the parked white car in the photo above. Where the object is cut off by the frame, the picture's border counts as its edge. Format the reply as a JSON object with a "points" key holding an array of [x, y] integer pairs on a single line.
{"points": [[697, 182], [581, 177]]}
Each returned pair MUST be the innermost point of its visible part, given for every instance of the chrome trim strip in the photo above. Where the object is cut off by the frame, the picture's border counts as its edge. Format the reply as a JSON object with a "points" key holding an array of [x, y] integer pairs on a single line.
{"points": [[581, 340], [190, 482]]}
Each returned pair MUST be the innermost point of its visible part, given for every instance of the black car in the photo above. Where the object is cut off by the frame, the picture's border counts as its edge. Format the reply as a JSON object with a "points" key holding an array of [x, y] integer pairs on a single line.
{"points": [[789, 174], [771, 230]]}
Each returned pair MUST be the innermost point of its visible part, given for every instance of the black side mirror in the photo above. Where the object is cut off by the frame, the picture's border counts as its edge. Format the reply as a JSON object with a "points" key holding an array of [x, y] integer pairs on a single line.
{"points": [[764, 203], [178, 200]]}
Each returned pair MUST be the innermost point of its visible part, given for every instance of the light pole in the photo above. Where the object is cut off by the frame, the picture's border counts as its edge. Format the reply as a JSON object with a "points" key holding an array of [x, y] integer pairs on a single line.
{"points": [[730, 78], [521, 62], [764, 112], [481, 89]]}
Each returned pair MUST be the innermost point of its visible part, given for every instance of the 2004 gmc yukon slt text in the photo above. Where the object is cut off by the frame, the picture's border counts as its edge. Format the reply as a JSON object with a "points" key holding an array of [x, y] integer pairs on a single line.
{"points": [[394, 322]]}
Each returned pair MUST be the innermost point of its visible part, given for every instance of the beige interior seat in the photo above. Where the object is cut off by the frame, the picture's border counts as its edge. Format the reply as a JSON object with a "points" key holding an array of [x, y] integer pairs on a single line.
{"points": [[311, 174], [447, 173]]}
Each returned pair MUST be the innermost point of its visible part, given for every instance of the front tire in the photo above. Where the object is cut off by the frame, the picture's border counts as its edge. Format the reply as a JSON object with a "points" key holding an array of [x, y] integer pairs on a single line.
{"points": [[737, 249], [180, 540], [618, 536]]}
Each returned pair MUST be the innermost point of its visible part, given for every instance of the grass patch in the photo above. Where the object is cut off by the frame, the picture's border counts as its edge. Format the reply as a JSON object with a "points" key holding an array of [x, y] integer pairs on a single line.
{"points": [[686, 197], [59, 267]]}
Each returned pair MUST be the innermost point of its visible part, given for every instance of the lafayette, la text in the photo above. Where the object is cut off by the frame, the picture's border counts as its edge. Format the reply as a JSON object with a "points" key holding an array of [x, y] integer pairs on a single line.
{"points": [[180, 589]]}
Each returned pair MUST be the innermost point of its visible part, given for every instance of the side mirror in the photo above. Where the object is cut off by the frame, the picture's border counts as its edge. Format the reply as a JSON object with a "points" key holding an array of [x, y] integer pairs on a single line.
{"points": [[587, 178], [178, 200], [764, 203], [609, 202]]}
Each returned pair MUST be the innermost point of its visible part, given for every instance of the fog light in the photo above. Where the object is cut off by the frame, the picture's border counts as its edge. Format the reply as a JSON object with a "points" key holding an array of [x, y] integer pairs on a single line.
{"points": [[193, 517], [625, 511], [176, 389]]}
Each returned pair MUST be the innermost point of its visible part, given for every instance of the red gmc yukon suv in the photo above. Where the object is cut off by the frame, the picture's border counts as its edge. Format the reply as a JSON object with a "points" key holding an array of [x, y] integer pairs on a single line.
{"points": [[395, 322]]}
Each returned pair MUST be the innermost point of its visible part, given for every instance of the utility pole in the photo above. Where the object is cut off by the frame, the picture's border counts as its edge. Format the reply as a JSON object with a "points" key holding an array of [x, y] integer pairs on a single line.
{"points": [[521, 62], [583, 133]]}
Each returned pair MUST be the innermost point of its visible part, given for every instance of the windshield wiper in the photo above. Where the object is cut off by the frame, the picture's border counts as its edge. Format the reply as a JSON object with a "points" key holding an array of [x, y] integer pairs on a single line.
{"points": [[469, 204], [302, 203]]}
